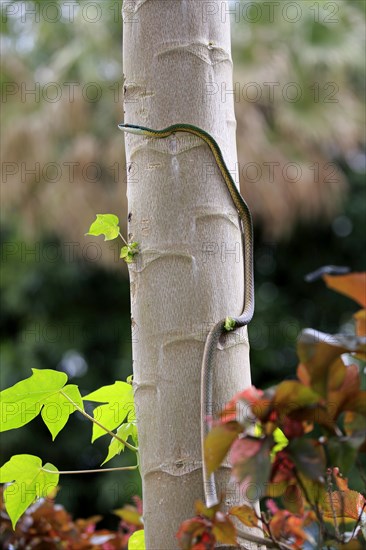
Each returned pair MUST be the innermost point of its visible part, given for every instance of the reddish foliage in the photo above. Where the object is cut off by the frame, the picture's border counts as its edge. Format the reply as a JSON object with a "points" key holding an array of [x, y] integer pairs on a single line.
{"points": [[323, 418], [283, 468], [47, 526]]}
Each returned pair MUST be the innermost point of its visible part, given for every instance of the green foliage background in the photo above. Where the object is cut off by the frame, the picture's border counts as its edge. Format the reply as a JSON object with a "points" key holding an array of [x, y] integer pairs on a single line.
{"points": [[66, 306]]}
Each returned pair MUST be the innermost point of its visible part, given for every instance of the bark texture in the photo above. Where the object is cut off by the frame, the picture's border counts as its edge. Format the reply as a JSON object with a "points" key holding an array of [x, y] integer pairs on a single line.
{"points": [[189, 273]]}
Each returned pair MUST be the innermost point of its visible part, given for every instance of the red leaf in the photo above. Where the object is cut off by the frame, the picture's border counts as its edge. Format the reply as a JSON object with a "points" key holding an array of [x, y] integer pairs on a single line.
{"points": [[285, 525], [250, 396], [196, 534], [251, 463]]}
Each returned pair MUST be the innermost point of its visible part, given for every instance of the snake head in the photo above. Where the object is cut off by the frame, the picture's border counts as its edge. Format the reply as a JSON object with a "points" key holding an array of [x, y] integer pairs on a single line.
{"points": [[131, 129]]}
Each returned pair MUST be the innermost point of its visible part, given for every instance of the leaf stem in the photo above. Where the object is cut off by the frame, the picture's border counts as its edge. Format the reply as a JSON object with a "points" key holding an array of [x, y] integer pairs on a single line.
{"points": [[128, 445], [98, 471], [123, 239]]}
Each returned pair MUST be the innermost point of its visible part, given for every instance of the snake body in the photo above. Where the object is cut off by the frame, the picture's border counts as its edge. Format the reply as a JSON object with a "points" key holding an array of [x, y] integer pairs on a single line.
{"points": [[218, 329]]}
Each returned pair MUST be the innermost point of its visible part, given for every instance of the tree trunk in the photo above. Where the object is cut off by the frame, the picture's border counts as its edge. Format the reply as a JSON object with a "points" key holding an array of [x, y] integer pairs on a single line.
{"points": [[189, 272]]}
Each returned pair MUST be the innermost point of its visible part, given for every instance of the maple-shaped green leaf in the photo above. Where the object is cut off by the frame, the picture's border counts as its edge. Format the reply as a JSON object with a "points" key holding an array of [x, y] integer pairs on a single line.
{"points": [[118, 399], [57, 408], [137, 540], [128, 252], [28, 481], [105, 224], [42, 391], [126, 430]]}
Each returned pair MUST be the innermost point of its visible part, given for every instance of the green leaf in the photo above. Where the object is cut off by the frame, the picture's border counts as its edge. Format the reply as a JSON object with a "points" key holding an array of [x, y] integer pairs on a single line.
{"points": [[119, 404], [25, 400], [230, 324], [137, 540], [128, 252], [105, 224], [57, 408], [281, 442], [125, 431], [28, 481]]}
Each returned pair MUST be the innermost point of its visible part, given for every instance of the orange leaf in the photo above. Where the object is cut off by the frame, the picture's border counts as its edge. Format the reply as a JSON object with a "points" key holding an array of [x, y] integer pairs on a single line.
{"points": [[224, 530], [245, 514], [360, 317], [218, 442], [196, 534], [291, 395], [344, 504], [284, 524], [202, 510], [317, 351], [352, 285], [130, 514], [348, 396]]}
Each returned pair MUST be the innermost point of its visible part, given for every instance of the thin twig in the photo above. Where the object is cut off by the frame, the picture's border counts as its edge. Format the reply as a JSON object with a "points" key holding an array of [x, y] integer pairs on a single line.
{"points": [[128, 445], [361, 471], [329, 491], [358, 520], [123, 239], [91, 471], [278, 544], [314, 506]]}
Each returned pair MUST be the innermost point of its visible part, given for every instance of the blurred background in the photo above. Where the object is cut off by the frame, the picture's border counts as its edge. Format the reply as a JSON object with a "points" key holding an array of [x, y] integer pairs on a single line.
{"points": [[299, 89]]}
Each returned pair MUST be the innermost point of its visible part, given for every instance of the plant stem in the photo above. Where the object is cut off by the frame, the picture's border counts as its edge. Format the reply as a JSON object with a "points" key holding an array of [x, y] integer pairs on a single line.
{"points": [[123, 239], [314, 506], [91, 471], [329, 491], [128, 445]]}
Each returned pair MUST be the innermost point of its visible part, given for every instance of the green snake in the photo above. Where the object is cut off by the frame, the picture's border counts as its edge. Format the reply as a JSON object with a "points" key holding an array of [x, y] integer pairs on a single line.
{"points": [[218, 329]]}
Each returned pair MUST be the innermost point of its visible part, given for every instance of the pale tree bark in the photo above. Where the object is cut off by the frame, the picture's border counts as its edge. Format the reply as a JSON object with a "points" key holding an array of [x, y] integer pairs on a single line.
{"points": [[189, 272]]}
